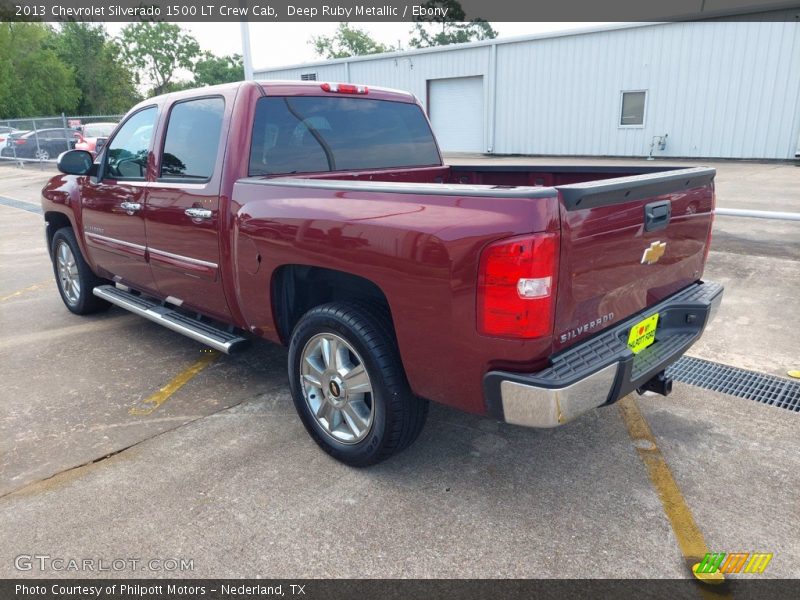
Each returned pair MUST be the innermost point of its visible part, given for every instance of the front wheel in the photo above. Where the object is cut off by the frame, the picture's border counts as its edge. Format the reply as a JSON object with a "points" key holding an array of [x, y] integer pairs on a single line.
{"points": [[348, 384], [74, 277]]}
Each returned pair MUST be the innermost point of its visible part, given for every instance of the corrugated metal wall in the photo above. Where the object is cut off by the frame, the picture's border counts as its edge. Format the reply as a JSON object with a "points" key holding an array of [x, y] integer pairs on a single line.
{"points": [[728, 89], [409, 72]]}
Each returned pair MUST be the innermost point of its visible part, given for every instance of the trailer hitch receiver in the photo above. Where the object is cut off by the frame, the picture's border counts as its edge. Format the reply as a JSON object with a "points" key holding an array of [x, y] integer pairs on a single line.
{"points": [[660, 384]]}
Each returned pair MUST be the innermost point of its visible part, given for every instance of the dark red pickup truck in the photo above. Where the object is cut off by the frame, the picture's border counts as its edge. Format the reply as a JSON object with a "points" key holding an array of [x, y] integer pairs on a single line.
{"points": [[321, 216]]}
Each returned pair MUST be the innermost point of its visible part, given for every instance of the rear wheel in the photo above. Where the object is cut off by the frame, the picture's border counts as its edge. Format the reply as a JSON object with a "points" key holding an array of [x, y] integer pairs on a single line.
{"points": [[74, 277], [348, 384], [42, 154]]}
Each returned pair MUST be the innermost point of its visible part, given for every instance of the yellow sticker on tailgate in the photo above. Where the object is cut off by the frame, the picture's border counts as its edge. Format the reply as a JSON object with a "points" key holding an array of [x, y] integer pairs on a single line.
{"points": [[643, 334]]}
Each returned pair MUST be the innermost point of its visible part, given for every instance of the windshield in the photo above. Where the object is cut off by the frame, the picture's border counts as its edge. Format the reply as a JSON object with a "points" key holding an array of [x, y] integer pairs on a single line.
{"points": [[305, 134]]}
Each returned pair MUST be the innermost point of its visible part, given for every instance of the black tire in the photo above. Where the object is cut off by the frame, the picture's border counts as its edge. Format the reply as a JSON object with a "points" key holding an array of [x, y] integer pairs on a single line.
{"points": [[83, 302], [397, 414]]}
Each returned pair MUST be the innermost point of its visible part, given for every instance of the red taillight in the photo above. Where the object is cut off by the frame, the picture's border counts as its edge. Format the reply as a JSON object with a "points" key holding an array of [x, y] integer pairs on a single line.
{"points": [[344, 88], [517, 285], [19, 141]]}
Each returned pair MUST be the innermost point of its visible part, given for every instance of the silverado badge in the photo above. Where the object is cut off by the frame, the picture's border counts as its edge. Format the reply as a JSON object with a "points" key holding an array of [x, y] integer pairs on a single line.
{"points": [[653, 253]]}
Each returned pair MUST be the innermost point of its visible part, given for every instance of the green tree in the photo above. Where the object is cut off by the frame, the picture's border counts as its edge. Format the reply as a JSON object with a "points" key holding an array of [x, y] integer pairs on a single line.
{"points": [[156, 51], [177, 86], [33, 80], [347, 41], [452, 29], [211, 70], [107, 85]]}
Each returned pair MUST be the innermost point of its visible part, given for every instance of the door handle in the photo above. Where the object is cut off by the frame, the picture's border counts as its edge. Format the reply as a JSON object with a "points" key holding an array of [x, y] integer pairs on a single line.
{"points": [[130, 207], [198, 213], [657, 215]]}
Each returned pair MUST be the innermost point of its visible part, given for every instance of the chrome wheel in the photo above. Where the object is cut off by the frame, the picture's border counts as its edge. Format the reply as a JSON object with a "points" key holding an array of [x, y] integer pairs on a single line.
{"points": [[42, 154], [337, 388], [68, 277]]}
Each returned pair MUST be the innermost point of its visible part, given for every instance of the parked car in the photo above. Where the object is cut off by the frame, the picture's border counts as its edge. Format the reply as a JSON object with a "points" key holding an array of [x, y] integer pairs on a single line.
{"points": [[7, 149], [92, 136], [51, 143], [321, 216], [4, 133]]}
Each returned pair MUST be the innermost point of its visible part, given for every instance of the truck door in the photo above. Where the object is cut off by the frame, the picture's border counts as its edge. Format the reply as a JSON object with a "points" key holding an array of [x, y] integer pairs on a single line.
{"points": [[112, 205], [183, 207]]}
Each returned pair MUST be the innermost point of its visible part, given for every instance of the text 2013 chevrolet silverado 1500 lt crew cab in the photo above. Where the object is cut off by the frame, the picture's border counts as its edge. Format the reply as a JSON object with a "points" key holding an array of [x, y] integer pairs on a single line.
{"points": [[321, 216]]}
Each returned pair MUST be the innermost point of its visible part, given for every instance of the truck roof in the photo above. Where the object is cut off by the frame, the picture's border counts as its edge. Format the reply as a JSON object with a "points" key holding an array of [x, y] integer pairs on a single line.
{"points": [[305, 88], [282, 88]]}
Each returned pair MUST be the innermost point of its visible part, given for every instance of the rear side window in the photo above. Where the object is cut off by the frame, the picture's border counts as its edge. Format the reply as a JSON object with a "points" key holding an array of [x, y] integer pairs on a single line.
{"points": [[310, 134], [192, 140]]}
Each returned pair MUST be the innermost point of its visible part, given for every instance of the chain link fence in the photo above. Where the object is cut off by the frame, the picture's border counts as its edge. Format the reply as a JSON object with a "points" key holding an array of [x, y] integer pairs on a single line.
{"points": [[42, 139]]}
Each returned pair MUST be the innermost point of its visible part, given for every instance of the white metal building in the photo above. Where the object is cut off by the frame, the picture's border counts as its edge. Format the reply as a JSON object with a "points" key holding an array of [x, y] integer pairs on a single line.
{"points": [[726, 89]]}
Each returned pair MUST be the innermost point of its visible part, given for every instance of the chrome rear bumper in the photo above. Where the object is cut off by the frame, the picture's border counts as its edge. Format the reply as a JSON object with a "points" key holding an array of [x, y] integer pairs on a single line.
{"points": [[602, 369], [539, 407]]}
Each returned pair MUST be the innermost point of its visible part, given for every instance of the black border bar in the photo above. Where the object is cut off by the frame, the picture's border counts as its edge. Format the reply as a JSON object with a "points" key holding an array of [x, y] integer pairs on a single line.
{"points": [[744, 587], [395, 10]]}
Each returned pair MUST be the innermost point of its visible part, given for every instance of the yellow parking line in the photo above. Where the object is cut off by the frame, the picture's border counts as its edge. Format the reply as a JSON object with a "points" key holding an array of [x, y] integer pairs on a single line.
{"points": [[30, 288], [149, 405], [690, 538]]}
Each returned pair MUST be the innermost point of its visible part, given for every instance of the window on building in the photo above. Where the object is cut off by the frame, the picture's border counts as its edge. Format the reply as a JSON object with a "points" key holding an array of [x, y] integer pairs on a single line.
{"points": [[190, 148], [308, 77], [632, 113]]}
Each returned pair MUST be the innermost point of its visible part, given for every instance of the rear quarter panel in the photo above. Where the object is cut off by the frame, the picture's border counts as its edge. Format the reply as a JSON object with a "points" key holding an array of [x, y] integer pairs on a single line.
{"points": [[422, 251]]}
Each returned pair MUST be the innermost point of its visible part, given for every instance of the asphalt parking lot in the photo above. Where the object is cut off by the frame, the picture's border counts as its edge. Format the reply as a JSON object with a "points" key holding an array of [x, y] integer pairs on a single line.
{"points": [[217, 469]]}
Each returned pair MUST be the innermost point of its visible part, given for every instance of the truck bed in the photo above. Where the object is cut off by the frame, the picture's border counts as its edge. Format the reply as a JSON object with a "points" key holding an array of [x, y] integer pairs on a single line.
{"points": [[496, 175], [419, 233]]}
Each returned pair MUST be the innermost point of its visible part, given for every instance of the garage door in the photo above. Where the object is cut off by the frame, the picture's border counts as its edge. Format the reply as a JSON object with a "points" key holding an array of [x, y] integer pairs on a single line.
{"points": [[455, 107]]}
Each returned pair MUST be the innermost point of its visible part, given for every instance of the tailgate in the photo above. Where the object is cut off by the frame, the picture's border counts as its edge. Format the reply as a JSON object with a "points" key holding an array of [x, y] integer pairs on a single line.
{"points": [[627, 244]]}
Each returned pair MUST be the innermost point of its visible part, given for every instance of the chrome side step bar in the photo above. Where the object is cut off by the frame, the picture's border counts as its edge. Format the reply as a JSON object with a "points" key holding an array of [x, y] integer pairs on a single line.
{"points": [[212, 336]]}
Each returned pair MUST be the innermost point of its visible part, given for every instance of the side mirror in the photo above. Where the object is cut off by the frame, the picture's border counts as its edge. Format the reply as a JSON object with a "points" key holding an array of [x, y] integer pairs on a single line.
{"points": [[75, 162]]}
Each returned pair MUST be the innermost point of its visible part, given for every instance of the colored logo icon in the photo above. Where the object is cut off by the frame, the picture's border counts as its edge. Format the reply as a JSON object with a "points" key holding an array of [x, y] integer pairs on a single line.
{"points": [[715, 565]]}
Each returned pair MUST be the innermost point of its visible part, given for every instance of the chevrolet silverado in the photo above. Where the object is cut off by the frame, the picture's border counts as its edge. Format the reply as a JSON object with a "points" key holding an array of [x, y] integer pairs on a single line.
{"points": [[321, 216]]}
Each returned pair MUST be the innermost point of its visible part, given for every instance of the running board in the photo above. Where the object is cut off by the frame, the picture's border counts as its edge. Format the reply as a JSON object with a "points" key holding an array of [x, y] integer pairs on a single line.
{"points": [[212, 336]]}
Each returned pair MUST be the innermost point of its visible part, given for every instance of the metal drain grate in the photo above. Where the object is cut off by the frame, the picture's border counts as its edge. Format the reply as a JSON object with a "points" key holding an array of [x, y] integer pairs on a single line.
{"points": [[768, 389]]}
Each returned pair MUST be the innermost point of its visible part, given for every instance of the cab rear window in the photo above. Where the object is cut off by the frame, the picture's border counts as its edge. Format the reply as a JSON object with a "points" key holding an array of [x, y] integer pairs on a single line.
{"points": [[304, 134]]}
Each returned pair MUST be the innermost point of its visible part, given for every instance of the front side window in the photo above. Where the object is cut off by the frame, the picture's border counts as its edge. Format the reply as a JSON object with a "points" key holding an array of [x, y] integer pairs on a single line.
{"points": [[192, 141], [98, 129], [632, 108], [126, 157], [306, 134]]}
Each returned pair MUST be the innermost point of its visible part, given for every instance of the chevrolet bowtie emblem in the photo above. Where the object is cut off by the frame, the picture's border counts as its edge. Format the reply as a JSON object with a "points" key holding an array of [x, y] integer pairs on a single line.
{"points": [[653, 253]]}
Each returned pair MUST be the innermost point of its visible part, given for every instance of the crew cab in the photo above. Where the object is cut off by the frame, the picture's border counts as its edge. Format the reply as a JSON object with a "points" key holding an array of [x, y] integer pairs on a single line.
{"points": [[321, 216]]}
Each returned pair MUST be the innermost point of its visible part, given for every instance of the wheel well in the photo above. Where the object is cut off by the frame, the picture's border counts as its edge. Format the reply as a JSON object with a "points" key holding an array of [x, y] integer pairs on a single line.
{"points": [[296, 289], [55, 221]]}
